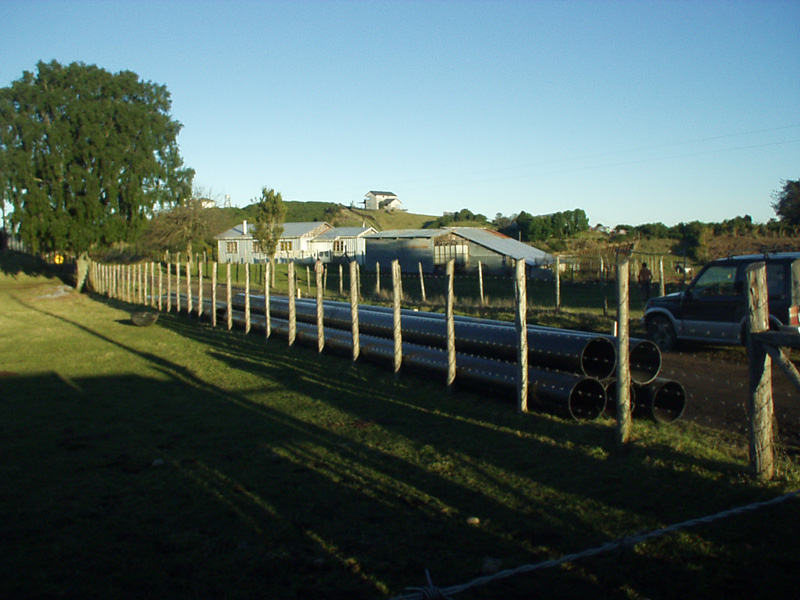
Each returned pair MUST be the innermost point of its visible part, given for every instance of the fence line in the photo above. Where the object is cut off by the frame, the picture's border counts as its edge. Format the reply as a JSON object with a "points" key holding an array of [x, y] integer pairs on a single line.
{"points": [[431, 591]]}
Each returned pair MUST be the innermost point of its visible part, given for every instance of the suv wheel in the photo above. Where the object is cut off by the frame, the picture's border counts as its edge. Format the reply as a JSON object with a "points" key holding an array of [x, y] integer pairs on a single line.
{"points": [[661, 331]]}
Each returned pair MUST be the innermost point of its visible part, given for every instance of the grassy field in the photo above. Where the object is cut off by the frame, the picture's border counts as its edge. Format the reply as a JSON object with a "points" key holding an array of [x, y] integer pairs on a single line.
{"points": [[182, 461]]}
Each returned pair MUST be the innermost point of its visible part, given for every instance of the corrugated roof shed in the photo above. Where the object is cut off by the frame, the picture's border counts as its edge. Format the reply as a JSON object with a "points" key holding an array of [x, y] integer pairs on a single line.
{"points": [[407, 233], [502, 244]]}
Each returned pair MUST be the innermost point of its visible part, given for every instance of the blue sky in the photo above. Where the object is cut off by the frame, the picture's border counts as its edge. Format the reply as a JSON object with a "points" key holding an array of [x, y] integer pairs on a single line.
{"points": [[635, 112]]}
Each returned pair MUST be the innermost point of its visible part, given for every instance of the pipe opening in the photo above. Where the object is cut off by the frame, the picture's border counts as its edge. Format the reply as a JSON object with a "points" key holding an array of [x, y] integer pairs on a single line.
{"points": [[587, 400], [668, 402], [645, 359], [599, 358]]}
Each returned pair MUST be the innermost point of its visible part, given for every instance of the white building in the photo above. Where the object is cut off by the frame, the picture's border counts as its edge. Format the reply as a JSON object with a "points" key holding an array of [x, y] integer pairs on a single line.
{"points": [[382, 200]]}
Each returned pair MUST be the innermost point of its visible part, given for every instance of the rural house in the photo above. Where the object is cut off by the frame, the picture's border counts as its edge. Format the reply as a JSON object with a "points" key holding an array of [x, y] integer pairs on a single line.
{"points": [[237, 245], [433, 248], [341, 244], [382, 201]]}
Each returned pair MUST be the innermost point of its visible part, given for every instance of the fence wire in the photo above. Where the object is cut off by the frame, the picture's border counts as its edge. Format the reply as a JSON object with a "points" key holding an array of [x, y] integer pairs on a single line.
{"points": [[432, 592]]}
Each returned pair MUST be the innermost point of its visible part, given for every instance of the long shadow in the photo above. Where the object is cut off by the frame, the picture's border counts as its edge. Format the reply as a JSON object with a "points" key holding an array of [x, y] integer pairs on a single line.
{"points": [[668, 474], [357, 482], [372, 494]]}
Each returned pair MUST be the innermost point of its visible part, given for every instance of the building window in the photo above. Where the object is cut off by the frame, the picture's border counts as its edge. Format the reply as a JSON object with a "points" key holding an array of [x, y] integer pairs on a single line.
{"points": [[285, 246], [257, 247], [338, 246], [232, 247]]}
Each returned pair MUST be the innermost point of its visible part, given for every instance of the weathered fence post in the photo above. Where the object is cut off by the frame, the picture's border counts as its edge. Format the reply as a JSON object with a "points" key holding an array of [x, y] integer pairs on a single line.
{"points": [[480, 282], [623, 360], [140, 291], [521, 322], [324, 278], [377, 278], [451, 327], [308, 282], [603, 279], [189, 299], [228, 296], [214, 294], [354, 308], [200, 307], [247, 297], [268, 322], [398, 334], [319, 272], [145, 298], [422, 283], [759, 402], [178, 286], [292, 309], [160, 286], [341, 282], [153, 300], [558, 283], [169, 287], [662, 290]]}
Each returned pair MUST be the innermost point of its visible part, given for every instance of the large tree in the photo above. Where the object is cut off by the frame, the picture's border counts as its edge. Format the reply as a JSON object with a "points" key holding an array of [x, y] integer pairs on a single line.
{"points": [[787, 202], [86, 156], [270, 213]]}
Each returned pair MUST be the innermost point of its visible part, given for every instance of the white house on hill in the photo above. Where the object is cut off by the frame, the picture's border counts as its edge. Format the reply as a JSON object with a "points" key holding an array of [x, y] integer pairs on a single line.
{"points": [[382, 201]]}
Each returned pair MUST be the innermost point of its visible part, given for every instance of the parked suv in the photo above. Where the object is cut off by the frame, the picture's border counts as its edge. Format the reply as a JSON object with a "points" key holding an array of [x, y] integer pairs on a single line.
{"points": [[713, 308]]}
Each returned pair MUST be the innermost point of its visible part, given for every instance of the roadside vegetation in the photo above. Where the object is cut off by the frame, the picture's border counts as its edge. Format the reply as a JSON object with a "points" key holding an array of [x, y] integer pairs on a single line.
{"points": [[180, 460]]}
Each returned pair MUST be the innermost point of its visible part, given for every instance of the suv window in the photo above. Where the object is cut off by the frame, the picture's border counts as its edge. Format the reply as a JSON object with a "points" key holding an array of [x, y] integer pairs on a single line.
{"points": [[717, 280], [775, 280]]}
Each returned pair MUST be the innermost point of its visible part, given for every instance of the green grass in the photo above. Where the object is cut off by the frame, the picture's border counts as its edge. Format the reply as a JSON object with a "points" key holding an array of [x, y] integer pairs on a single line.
{"points": [[181, 461]]}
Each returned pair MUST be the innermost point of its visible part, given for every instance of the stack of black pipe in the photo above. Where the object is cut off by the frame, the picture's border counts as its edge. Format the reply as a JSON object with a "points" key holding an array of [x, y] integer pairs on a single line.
{"points": [[571, 373]]}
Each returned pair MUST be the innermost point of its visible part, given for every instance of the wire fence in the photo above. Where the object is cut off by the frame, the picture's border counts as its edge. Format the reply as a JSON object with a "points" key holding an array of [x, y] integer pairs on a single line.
{"points": [[432, 592]]}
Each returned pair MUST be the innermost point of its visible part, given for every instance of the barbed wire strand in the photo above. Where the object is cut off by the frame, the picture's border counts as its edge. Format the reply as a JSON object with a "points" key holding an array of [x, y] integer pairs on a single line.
{"points": [[431, 592]]}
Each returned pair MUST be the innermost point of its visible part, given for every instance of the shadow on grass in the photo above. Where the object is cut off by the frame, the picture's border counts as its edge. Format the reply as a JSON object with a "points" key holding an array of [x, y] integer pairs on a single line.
{"points": [[14, 264], [326, 479]]}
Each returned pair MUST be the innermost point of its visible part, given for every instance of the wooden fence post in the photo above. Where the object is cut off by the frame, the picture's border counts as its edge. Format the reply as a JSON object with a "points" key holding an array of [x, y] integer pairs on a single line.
{"points": [[480, 282], [228, 296], [145, 297], [341, 282], [247, 297], [378, 278], [292, 308], [318, 273], [178, 286], [140, 291], [214, 294], [623, 359], [200, 307], [354, 308], [267, 321], [558, 283], [189, 299], [160, 286], [662, 290], [422, 283], [398, 334], [521, 322], [451, 327], [760, 410], [169, 287], [308, 282]]}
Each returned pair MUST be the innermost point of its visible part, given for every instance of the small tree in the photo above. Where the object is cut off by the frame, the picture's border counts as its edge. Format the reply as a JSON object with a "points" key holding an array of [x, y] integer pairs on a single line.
{"points": [[787, 203], [270, 212]]}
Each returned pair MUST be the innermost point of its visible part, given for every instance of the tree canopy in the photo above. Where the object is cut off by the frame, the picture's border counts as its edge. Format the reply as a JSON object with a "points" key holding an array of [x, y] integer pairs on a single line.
{"points": [[86, 155], [787, 202], [270, 212]]}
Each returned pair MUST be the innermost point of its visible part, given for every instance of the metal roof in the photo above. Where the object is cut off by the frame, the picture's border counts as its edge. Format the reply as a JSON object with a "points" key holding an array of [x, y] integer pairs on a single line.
{"points": [[341, 232], [502, 244], [407, 233], [290, 230]]}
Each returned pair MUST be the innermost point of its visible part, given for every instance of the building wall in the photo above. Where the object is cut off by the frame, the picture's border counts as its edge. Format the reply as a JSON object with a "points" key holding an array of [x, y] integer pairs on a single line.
{"points": [[491, 261], [409, 251]]}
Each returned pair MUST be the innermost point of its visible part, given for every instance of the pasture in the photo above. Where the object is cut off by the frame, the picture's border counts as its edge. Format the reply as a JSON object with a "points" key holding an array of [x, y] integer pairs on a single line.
{"points": [[180, 460]]}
